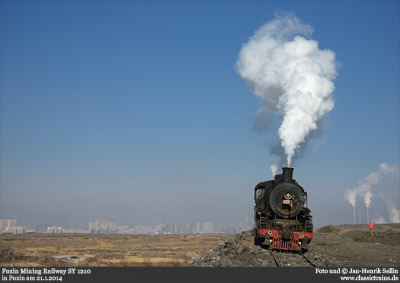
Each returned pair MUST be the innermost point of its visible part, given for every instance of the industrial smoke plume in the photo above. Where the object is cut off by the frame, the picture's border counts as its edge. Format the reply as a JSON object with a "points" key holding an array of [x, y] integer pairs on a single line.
{"points": [[363, 188], [291, 75], [394, 212]]}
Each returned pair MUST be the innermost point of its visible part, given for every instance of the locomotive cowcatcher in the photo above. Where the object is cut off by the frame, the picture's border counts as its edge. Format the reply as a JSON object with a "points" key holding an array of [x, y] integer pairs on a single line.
{"points": [[282, 219]]}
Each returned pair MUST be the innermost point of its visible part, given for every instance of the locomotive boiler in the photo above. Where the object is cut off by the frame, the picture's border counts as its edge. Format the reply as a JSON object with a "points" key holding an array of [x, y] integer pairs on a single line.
{"points": [[282, 219]]}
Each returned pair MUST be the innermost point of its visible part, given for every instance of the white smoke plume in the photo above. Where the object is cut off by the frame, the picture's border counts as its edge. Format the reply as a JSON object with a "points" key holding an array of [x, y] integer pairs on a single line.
{"points": [[394, 212], [274, 169], [363, 189], [367, 199], [291, 75], [350, 196], [390, 170], [379, 220]]}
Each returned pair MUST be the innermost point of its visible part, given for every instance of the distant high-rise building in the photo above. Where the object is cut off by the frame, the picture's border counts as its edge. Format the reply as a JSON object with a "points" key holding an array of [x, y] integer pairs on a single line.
{"points": [[169, 229], [4, 224], [207, 227], [15, 230], [41, 227], [53, 229], [102, 226]]}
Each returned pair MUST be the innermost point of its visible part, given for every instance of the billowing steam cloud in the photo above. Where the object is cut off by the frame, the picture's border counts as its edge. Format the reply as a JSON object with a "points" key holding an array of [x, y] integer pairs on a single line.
{"points": [[291, 75], [394, 212], [388, 169], [363, 189]]}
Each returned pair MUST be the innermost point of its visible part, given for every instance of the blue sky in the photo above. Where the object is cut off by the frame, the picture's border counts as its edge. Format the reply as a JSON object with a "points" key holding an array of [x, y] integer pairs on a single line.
{"points": [[133, 110]]}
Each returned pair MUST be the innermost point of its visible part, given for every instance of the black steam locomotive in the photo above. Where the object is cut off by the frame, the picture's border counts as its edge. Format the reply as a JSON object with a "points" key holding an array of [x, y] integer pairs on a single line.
{"points": [[282, 219]]}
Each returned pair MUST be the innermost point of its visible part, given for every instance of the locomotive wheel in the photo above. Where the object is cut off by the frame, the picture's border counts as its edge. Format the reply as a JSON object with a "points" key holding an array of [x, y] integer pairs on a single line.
{"points": [[281, 193]]}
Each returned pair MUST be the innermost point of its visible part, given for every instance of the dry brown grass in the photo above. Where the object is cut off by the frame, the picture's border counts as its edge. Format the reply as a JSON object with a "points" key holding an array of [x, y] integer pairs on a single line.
{"points": [[108, 250]]}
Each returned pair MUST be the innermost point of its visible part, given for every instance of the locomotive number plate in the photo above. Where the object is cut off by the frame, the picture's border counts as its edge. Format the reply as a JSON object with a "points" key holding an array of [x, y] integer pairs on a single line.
{"points": [[286, 201]]}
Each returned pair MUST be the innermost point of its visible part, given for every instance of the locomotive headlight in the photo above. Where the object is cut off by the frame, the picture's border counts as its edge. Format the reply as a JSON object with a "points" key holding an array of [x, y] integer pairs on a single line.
{"points": [[269, 232], [287, 195], [301, 235], [259, 193]]}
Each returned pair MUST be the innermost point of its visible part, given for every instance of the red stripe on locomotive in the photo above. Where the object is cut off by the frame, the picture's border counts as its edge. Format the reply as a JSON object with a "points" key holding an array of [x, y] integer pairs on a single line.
{"points": [[279, 243]]}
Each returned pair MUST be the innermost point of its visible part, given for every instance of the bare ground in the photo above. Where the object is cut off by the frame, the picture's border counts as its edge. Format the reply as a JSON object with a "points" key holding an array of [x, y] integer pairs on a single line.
{"points": [[34, 249], [352, 245], [344, 245], [332, 246]]}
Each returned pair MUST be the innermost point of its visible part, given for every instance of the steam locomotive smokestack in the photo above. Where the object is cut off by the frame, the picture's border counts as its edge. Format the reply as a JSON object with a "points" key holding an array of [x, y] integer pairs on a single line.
{"points": [[287, 174]]}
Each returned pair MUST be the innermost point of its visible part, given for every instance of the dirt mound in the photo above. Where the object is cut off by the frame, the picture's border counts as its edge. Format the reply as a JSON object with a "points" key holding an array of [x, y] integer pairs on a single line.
{"points": [[239, 251], [326, 229], [235, 252], [387, 237]]}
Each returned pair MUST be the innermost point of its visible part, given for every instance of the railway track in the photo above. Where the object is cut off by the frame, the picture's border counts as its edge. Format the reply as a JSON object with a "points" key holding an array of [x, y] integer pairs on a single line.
{"points": [[273, 256], [291, 259], [308, 260]]}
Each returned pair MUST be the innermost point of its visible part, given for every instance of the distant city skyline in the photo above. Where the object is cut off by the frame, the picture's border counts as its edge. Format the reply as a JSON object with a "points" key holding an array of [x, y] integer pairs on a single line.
{"points": [[109, 227]]}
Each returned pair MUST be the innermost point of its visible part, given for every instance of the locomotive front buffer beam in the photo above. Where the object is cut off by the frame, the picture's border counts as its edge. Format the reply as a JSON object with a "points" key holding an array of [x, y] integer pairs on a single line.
{"points": [[285, 241]]}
